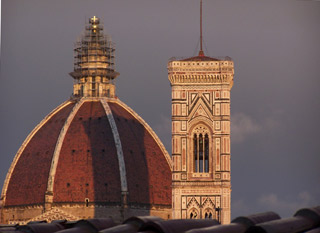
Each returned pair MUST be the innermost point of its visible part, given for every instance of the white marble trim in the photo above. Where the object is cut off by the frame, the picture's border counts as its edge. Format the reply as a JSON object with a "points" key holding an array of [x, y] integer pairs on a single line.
{"points": [[145, 124], [56, 154], [117, 141]]}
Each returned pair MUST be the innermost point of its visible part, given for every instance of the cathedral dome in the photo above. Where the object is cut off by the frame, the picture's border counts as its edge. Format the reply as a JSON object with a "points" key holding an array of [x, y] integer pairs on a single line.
{"points": [[90, 151], [92, 156]]}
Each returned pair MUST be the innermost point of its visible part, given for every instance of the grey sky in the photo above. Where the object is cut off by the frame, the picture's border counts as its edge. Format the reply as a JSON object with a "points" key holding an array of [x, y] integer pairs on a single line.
{"points": [[275, 99]]}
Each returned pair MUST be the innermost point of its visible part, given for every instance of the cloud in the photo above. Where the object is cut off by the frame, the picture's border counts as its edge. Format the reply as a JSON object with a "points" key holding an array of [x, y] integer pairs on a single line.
{"points": [[242, 126], [239, 207], [285, 205]]}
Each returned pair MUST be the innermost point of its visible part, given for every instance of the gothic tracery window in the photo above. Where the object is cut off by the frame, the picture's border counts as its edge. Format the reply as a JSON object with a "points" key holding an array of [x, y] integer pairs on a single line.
{"points": [[201, 150], [194, 214], [208, 214]]}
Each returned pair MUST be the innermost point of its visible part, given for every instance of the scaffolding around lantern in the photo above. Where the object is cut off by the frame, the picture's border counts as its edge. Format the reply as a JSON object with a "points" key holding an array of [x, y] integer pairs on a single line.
{"points": [[94, 62]]}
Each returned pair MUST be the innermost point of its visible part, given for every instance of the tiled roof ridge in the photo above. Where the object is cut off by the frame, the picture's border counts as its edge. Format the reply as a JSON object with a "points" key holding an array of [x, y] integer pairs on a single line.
{"points": [[304, 220]]}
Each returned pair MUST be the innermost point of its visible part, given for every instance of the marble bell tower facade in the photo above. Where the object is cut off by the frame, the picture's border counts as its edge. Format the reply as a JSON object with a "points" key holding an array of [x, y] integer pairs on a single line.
{"points": [[201, 186]]}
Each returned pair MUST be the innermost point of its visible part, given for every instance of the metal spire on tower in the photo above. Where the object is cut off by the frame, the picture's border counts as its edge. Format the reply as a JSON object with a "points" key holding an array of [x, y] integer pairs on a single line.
{"points": [[201, 51]]}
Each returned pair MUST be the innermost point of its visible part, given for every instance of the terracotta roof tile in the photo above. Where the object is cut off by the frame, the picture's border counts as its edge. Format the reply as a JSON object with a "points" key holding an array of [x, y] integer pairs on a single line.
{"points": [[88, 165], [148, 174], [200, 58]]}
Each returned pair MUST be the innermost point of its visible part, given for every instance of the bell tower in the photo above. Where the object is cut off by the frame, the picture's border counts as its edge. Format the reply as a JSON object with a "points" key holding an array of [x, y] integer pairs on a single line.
{"points": [[201, 186]]}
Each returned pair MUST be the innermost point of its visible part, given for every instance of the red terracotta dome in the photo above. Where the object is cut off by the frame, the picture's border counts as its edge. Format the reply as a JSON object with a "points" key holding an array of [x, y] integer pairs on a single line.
{"points": [[76, 154]]}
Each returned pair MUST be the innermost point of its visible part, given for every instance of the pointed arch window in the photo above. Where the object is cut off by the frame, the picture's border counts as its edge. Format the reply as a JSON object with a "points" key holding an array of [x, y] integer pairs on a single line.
{"points": [[208, 214], [201, 152], [193, 214]]}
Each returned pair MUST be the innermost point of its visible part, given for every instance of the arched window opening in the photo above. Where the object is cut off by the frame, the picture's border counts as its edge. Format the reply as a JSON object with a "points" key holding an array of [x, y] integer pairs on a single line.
{"points": [[208, 214], [193, 214], [201, 151]]}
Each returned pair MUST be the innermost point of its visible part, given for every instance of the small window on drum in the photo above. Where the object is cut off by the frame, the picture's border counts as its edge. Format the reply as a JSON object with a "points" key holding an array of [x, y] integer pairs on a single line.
{"points": [[87, 202]]}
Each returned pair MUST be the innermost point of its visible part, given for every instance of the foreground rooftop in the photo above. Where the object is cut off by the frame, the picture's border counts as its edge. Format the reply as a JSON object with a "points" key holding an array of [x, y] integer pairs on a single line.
{"points": [[304, 220]]}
